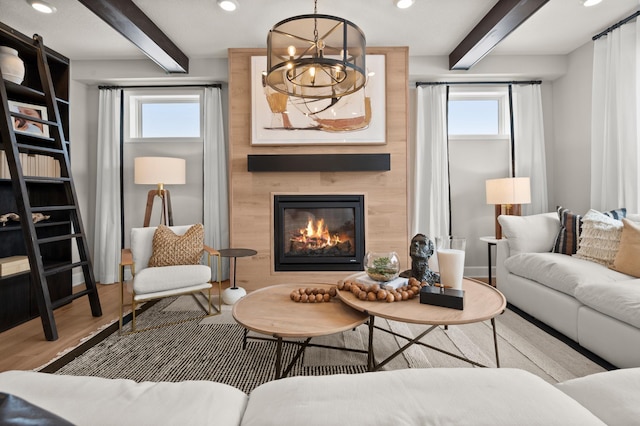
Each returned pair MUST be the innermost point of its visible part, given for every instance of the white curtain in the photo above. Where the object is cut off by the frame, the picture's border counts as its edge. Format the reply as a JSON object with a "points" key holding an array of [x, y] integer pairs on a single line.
{"points": [[615, 142], [529, 144], [429, 212], [106, 252], [216, 193]]}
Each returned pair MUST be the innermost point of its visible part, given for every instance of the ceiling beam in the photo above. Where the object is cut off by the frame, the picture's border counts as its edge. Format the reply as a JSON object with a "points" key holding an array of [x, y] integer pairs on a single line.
{"points": [[126, 18], [501, 20]]}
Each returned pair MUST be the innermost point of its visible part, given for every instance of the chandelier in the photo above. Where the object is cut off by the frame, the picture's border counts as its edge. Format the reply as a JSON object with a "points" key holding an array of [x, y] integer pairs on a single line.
{"points": [[316, 56]]}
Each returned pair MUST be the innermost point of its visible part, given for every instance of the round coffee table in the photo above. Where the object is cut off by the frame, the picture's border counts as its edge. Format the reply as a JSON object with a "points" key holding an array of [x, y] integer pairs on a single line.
{"points": [[482, 302], [271, 311], [232, 294]]}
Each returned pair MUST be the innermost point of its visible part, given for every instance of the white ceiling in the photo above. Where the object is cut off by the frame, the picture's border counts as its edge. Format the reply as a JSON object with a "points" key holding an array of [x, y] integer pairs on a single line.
{"points": [[202, 30]]}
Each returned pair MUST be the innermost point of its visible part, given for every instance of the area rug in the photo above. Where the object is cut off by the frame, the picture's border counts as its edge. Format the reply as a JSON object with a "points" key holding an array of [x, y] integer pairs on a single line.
{"points": [[211, 349]]}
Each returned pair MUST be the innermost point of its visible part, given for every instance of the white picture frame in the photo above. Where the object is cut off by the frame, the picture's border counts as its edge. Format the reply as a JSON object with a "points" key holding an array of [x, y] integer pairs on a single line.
{"points": [[24, 126], [294, 127]]}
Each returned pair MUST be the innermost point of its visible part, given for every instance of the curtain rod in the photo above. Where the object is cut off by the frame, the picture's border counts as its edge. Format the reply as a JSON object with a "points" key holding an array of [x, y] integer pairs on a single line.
{"points": [[162, 86], [453, 83], [615, 26]]}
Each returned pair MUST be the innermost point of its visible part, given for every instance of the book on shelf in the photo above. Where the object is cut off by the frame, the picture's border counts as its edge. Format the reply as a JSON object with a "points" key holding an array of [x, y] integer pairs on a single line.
{"points": [[13, 265]]}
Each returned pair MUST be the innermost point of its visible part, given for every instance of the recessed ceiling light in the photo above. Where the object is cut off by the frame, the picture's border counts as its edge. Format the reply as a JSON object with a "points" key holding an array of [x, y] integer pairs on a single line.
{"points": [[228, 5], [42, 6], [587, 3], [403, 4]]}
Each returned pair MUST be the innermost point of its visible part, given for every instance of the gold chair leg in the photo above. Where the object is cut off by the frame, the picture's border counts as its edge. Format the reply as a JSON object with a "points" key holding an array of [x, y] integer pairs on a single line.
{"points": [[133, 313]]}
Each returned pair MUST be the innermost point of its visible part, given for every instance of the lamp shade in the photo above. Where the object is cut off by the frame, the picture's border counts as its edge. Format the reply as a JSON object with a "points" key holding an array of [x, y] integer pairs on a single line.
{"points": [[515, 190], [159, 170]]}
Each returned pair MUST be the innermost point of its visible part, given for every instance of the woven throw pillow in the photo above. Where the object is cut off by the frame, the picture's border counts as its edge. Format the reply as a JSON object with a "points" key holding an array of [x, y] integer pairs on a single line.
{"points": [[626, 260], [170, 249], [600, 238]]}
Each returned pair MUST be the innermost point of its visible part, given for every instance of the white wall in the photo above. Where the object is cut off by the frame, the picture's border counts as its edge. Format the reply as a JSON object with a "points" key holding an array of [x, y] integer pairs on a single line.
{"points": [[566, 94], [572, 133]]}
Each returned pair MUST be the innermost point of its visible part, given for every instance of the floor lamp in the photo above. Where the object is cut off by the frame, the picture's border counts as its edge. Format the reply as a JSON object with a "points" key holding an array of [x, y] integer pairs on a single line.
{"points": [[159, 171], [508, 195]]}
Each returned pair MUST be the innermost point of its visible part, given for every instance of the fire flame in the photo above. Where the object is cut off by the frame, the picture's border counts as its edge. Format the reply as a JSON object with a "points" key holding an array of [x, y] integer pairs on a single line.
{"points": [[316, 235]]}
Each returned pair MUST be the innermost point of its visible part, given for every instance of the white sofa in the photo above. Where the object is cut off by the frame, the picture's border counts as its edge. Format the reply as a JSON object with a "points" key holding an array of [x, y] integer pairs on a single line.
{"points": [[447, 396], [597, 307]]}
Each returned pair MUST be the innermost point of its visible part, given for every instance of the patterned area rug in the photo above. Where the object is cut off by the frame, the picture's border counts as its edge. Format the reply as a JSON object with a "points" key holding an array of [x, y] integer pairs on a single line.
{"points": [[211, 349]]}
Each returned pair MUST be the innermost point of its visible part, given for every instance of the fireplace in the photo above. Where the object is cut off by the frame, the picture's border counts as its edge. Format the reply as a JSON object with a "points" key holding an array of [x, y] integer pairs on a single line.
{"points": [[318, 232]]}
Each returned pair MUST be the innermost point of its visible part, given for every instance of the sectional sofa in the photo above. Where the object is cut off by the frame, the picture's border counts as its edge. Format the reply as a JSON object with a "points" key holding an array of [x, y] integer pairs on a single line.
{"points": [[433, 396], [587, 301]]}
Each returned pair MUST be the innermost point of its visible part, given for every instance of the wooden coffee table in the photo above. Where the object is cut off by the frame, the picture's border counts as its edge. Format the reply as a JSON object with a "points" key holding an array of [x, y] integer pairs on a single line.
{"points": [[482, 302], [271, 311]]}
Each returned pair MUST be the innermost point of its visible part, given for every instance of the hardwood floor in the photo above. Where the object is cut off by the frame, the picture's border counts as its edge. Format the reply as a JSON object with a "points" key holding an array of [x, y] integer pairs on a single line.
{"points": [[25, 348]]}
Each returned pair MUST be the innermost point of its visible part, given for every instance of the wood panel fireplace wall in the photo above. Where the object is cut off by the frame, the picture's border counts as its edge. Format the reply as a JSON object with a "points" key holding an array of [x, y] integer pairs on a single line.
{"points": [[251, 191]]}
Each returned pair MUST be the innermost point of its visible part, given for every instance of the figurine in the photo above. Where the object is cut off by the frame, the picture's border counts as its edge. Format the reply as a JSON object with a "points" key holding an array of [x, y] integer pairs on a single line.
{"points": [[420, 250]]}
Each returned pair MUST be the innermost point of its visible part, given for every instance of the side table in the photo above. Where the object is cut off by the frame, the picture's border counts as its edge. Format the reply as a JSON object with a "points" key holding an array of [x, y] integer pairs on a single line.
{"points": [[491, 241], [234, 293]]}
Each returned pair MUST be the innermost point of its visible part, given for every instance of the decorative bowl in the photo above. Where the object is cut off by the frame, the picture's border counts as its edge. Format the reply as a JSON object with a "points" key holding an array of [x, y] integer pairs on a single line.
{"points": [[382, 267]]}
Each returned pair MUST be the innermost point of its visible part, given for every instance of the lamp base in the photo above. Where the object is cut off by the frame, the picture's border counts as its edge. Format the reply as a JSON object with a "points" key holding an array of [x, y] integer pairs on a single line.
{"points": [[506, 209], [166, 215]]}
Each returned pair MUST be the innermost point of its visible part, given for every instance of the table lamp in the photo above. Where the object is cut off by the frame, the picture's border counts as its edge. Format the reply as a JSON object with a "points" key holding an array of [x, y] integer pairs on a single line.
{"points": [[508, 194], [159, 171]]}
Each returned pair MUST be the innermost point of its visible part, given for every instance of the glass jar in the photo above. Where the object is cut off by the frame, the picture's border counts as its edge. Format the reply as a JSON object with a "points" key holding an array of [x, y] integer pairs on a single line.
{"points": [[382, 267]]}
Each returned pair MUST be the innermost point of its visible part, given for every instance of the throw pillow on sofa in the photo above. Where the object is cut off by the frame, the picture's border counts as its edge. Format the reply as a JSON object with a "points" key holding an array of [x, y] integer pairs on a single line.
{"points": [[570, 227], [626, 260], [599, 238]]}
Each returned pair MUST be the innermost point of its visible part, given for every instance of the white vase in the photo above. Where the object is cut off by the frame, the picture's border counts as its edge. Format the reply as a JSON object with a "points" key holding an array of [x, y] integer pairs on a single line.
{"points": [[11, 65]]}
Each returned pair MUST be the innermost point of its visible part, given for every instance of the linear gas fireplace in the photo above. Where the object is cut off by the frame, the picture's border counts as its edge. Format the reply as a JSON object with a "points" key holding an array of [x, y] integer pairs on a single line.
{"points": [[318, 232]]}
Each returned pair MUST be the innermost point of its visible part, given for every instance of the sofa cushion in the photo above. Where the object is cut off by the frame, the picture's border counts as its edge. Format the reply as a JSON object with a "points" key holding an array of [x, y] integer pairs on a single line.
{"points": [[612, 396], [535, 233], [628, 255], [151, 280], [600, 238], [97, 401], [430, 396], [619, 299], [566, 241], [560, 272]]}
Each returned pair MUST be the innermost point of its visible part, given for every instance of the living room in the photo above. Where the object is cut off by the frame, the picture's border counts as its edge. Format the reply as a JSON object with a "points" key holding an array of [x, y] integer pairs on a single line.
{"points": [[566, 81]]}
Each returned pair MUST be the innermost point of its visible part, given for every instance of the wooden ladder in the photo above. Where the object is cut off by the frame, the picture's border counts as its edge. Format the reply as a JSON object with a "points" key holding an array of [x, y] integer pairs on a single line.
{"points": [[66, 213]]}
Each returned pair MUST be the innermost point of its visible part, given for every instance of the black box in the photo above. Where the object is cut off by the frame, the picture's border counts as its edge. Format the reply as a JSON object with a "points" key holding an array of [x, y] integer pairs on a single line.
{"points": [[449, 298]]}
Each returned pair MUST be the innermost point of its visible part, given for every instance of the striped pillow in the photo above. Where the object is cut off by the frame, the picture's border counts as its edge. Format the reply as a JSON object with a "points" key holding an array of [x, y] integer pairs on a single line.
{"points": [[571, 226]]}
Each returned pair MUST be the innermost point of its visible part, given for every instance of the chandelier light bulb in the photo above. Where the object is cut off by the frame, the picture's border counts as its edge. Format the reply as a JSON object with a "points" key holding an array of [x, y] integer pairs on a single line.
{"points": [[291, 50]]}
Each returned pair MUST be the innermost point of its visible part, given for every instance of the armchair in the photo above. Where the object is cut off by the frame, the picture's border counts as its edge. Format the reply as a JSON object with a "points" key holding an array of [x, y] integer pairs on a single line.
{"points": [[165, 261]]}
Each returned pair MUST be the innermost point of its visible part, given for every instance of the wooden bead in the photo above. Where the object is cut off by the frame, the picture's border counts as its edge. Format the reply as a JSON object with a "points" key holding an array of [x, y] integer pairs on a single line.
{"points": [[327, 297]]}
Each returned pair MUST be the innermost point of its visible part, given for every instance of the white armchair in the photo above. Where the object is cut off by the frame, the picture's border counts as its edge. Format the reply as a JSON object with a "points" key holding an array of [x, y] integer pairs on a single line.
{"points": [[169, 275]]}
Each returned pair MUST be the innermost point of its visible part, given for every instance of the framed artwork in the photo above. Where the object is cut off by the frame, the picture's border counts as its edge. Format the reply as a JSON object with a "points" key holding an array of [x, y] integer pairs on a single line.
{"points": [[23, 125], [358, 118]]}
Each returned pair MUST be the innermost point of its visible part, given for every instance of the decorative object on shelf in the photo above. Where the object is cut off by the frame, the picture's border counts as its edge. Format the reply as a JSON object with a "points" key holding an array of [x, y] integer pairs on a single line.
{"points": [[378, 292], [36, 217], [11, 65], [508, 194], [316, 56], [159, 171], [313, 295], [382, 267], [13, 265], [421, 250], [22, 123]]}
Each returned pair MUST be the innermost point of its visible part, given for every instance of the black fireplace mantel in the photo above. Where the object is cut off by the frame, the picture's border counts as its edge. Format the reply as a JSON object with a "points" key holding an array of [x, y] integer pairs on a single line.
{"points": [[319, 163]]}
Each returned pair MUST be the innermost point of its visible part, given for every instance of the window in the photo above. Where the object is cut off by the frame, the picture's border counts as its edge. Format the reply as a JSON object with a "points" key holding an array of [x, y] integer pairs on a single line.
{"points": [[478, 114], [156, 115]]}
